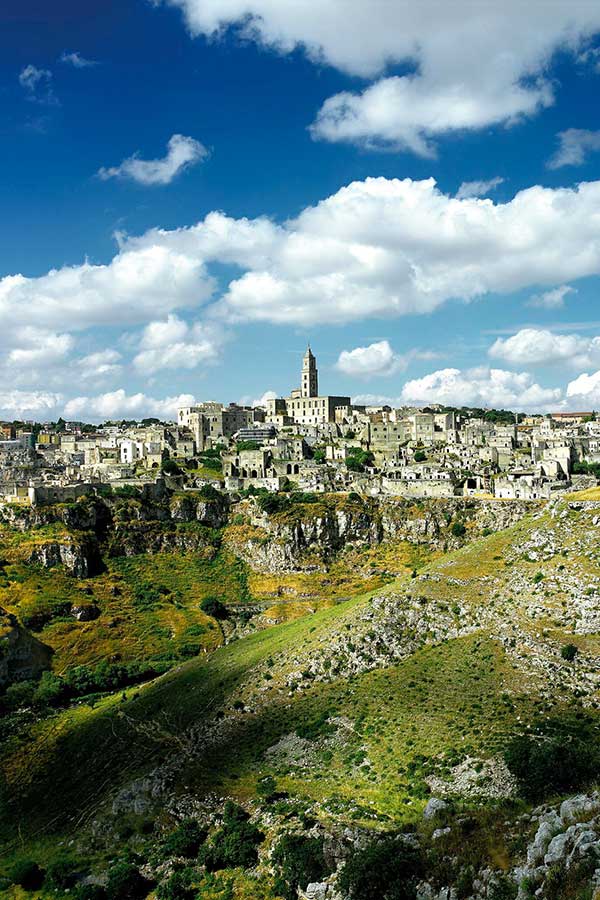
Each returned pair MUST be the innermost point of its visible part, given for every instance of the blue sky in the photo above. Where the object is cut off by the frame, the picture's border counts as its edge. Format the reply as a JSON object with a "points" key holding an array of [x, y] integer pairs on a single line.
{"points": [[193, 189]]}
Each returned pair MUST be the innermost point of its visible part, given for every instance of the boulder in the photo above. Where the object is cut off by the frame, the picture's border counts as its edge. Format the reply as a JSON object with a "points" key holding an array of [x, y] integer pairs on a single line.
{"points": [[434, 808]]}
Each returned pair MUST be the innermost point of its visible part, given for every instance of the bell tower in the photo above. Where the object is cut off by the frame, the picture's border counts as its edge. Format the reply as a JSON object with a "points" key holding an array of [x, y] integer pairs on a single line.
{"points": [[310, 375]]}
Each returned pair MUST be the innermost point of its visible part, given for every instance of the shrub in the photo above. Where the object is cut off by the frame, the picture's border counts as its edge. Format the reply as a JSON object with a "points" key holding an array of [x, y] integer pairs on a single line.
{"points": [[126, 882], [565, 757], [420, 456], [354, 496], [300, 861], [213, 607], [27, 874], [386, 870], [569, 652], [185, 840], [51, 690], [90, 892], [20, 694], [458, 529], [170, 467], [61, 874], [234, 844], [179, 886], [208, 492], [539, 576]]}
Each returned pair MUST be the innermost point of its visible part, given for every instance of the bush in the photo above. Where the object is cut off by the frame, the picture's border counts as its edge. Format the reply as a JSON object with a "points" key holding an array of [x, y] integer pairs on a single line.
{"points": [[126, 882], [170, 467], [300, 861], [20, 694], [185, 840], [234, 844], [179, 886], [51, 690], [208, 492], [386, 870], [27, 874], [213, 607], [569, 652], [354, 496], [419, 456], [458, 529], [556, 760], [61, 874], [90, 892]]}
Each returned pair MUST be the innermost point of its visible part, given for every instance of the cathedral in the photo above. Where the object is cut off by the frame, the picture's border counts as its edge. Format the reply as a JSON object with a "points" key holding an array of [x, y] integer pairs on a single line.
{"points": [[304, 406]]}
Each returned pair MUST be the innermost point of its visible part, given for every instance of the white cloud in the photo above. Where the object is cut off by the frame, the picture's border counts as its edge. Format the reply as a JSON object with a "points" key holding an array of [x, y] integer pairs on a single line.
{"points": [[378, 359], [137, 285], [182, 152], [39, 405], [173, 344], [388, 247], [574, 146], [584, 392], [478, 188], [100, 364], [76, 60], [38, 85], [554, 299], [481, 387], [377, 247], [532, 346], [262, 401], [364, 362], [119, 405], [38, 347], [470, 65]]}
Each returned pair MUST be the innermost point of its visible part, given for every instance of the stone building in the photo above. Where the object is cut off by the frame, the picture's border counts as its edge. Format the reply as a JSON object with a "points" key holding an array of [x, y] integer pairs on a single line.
{"points": [[305, 406]]}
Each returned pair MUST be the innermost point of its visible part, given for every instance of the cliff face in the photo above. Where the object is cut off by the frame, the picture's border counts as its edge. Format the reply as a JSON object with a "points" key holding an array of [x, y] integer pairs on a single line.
{"points": [[301, 536], [309, 536], [21, 655]]}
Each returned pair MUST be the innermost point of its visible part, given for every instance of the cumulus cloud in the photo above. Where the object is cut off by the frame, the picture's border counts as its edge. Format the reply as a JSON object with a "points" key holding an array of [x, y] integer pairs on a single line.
{"points": [[76, 60], [376, 248], [262, 401], [478, 188], [100, 364], [173, 344], [499, 76], [39, 405], [584, 392], [389, 247], [182, 152], [38, 347], [120, 405], [378, 359], [38, 85], [554, 299], [574, 146], [480, 387], [531, 346], [137, 285]]}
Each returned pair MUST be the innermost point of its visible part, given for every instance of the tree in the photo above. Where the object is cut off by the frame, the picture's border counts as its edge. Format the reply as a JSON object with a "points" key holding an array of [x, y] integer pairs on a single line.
{"points": [[213, 607], [419, 456], [300, 861], [27, 874], [458, 529], [385, 870], [126, 882]]}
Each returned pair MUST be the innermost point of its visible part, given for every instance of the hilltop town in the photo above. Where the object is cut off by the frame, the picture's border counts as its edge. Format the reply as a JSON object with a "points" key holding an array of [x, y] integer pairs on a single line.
{"points": [[311, 442]]}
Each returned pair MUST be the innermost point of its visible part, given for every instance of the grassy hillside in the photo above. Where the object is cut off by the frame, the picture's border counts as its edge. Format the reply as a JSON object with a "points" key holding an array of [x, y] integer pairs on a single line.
{"points": [[356, 712]]}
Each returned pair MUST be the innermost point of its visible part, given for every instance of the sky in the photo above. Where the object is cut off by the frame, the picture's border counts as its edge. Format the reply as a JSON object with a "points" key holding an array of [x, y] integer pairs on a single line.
{"points": [[193, 190]]}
